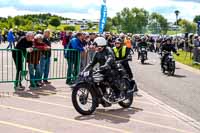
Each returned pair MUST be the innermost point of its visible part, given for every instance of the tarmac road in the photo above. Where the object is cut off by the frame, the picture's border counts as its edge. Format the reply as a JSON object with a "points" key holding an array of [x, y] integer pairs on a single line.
{"points": [[181, 91]]}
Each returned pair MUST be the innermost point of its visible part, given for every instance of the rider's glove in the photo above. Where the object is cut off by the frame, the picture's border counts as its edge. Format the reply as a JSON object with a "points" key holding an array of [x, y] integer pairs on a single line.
{"points": [[104, 67]]}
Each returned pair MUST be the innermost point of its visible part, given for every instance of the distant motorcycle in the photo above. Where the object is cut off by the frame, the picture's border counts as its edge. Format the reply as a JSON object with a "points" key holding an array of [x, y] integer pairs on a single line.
{"points": [[143, 54], [94, 88], [169, 63]]}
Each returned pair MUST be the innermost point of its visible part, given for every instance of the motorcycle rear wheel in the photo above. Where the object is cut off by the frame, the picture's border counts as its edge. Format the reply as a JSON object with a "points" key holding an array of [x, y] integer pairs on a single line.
{"points": [[127, 103]]}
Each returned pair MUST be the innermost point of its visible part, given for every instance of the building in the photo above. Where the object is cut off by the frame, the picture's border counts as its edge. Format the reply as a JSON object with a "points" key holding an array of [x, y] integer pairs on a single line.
{"points": [[79, 22], [174, 27]]}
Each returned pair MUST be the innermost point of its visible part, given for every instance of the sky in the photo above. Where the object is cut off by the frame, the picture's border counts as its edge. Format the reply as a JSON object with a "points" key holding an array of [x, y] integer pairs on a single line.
{"points": [[90, 9]]}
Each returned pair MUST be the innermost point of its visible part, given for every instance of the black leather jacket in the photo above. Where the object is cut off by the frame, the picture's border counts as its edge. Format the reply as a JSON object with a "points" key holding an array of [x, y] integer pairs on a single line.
{"points": [[105, 58], [168, 48]]}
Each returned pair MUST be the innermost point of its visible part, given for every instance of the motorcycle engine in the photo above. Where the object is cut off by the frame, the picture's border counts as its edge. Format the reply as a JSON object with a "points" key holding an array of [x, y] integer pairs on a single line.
{"points": [[121, 84]]}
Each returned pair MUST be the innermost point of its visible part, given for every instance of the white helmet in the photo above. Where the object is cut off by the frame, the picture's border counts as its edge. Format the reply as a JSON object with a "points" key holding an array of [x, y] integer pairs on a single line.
{"points": [[121, 34], [100, 41], [38, 36]]}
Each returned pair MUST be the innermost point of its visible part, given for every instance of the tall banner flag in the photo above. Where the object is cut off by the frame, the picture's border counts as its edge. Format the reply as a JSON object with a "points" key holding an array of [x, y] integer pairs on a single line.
{"points": [[103, 17]]}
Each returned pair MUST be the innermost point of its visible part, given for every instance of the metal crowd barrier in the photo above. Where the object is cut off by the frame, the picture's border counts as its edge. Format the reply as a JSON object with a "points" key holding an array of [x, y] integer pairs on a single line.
{"points": [[10, 68], [17, 65]]}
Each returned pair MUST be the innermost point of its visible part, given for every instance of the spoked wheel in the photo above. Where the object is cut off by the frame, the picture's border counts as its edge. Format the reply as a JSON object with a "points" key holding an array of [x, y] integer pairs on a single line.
{"points": [[128, 102], [163, 70], [142, 61], [84, 100], [172, 69], [171, 73]]}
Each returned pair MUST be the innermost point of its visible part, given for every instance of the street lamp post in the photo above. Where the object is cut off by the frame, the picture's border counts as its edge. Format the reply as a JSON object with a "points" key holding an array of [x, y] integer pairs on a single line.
{"points": [[177, 12]]}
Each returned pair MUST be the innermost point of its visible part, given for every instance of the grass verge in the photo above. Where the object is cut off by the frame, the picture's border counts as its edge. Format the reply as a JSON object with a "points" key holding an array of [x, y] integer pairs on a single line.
{"points": [[186, 58]]}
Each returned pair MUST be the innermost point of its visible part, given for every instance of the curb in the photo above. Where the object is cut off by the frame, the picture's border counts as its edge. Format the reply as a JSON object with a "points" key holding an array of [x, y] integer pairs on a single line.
{"points": [[188, 68], [188, 120]]}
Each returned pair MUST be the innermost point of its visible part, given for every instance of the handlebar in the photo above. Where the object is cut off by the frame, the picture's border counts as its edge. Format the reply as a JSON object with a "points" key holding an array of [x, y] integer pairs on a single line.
{"points": [[124, 60], [97, 71]]}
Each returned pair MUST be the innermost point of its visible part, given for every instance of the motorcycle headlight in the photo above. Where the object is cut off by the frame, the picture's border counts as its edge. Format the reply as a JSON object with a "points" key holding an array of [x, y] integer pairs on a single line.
{"points": [[85, 74], [170, 57]]}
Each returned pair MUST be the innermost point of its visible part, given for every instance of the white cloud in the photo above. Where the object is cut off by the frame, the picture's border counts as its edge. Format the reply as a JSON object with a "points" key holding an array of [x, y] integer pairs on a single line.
{"points": [[43, 2], [92, 14], [11, 11], [166, 7], [75, 3]]}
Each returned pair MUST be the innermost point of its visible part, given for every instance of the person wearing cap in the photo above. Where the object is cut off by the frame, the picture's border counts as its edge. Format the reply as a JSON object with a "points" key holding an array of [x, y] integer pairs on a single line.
{"points": [[11, 39], [91, 46], [84, 54], [122, 52], [73, 57]]}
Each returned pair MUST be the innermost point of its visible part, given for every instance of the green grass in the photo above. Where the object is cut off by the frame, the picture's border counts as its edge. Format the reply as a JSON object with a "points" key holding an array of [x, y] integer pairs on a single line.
{"points": [[186, 58], [173, 32], [61, 27], [77, 28]]}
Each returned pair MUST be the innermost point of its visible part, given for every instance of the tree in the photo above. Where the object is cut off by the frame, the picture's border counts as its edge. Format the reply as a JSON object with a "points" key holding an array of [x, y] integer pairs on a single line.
{"points": [[54, 21], [161, 21], [3, 25], [90, 25], [70, 28], [178, 21], [30, 21], [17, 21], [196, 18], [108, 25], [132, 20], [115, 21], [189, 27]]}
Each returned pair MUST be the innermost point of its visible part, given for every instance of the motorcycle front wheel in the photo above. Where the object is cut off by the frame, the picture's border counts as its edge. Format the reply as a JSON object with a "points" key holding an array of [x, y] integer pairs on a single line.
{"points": [[84, 100], [171, 73], [172, 70], [142, 61]]}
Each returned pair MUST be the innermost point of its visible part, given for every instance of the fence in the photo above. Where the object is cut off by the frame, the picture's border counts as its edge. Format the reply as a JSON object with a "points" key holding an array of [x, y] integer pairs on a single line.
{"points": [[17, 65]]}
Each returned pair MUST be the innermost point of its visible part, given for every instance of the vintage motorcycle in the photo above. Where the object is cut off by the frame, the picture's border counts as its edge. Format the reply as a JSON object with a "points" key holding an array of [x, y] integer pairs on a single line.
{"points": [[95, 87]]}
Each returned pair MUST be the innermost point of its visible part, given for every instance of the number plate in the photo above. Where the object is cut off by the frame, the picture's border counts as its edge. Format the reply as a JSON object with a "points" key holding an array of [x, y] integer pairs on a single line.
{"points": [[86, 74], [170, 57]]}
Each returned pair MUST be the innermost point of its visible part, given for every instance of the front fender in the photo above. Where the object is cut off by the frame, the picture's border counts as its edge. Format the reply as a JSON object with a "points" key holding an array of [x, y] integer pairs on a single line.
{"points": [[90, 86], [78, 83]]}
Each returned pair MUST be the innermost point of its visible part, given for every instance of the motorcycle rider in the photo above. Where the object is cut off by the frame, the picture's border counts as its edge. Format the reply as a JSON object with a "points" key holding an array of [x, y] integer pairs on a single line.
{"points": [[142, 43], [122, 52], [104, 55], [168, 47]]}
